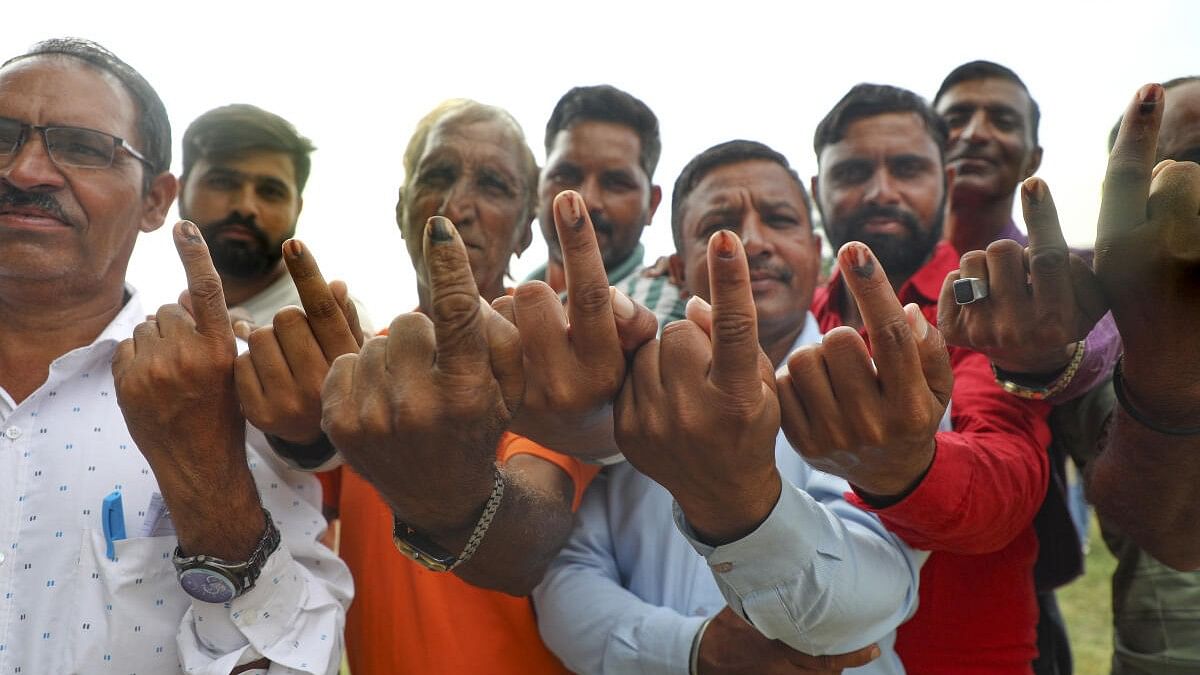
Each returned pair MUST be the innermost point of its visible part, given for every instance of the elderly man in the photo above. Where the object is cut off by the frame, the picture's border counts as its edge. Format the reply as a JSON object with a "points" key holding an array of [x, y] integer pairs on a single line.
{"points": [[436, 469], [159, 541], [968, 494], [652, 605], [244, 172]]}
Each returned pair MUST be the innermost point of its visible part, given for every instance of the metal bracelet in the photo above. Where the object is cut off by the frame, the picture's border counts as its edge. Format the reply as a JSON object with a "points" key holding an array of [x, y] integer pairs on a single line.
{"points": [[485, 521]]}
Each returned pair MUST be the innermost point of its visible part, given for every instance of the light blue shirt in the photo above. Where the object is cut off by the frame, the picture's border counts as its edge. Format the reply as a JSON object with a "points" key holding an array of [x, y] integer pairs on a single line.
{"points": [[630, 590]]}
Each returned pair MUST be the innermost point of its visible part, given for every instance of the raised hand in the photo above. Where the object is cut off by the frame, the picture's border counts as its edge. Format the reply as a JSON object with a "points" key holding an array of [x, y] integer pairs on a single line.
{"points": [[419, 412], [869, 417], [730, 646], [1148, 262], [1042, 299], [279, 378], [175, 385], [699, 415], [575, 357]]}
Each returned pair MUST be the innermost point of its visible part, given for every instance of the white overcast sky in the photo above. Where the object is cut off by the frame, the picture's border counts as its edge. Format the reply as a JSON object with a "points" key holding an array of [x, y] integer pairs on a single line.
{"points": [[355, 77]]}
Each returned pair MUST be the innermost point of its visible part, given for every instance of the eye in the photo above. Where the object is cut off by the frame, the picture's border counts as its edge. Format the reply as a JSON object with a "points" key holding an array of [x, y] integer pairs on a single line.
{"points": [[495, 184], [436, 176], [851, 173], [565, 176], [782, 221], [1006, 122], [220, 181], [907, 167], [956, 119], [273, 192], [619, 183]]}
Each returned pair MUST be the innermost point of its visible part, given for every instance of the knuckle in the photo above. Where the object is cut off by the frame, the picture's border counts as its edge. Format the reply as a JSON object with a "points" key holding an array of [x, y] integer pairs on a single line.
{"points": [[455, 308], [1048, 260], [324, 308], [206, 287], [731, 324], [1127, 168], [892, 333], [590, 298]]}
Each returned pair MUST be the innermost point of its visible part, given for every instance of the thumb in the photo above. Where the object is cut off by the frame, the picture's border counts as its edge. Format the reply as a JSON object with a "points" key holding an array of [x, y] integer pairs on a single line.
{"points": [[931, 348]]}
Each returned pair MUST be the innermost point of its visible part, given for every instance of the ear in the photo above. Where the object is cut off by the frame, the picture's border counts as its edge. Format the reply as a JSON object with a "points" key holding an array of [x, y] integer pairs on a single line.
{"points": [[813, 188], [400, 210], [526, 237], [676, 270], [655, 200], [1034, 163], [157, 201], [299, 204]]}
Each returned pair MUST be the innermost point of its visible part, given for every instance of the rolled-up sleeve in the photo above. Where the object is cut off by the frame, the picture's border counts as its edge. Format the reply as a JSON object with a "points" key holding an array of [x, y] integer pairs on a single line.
{"points": [[818, 574]]}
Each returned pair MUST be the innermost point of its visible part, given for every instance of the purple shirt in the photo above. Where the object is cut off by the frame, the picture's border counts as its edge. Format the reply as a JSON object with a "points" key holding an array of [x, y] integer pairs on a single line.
{"points": [[1102, 346]]}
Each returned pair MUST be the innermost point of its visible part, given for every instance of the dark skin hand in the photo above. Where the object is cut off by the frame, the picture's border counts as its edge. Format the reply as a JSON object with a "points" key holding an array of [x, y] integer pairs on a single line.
{"points": [[699, 414], [1148, 262], [175, 385], [1042, 298], [574, 358], [730, 646], [279, 378], [419, 413], [872, 424]]}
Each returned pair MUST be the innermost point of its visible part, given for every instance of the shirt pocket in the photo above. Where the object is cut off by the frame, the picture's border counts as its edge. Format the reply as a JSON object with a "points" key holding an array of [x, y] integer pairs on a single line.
{"points": [[128, 609]]}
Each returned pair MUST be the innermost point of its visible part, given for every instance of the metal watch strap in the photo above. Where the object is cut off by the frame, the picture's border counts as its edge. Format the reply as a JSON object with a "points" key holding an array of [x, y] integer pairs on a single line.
{"points": [[247, 572], [416, 547]]}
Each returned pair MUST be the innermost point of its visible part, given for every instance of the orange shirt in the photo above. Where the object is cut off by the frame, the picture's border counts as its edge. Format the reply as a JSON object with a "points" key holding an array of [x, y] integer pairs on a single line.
{"points": [[407, 619]]}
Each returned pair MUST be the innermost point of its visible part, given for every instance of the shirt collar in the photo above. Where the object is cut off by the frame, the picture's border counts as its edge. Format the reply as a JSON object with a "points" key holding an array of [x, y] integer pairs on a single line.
{"points": [[627, 266]]}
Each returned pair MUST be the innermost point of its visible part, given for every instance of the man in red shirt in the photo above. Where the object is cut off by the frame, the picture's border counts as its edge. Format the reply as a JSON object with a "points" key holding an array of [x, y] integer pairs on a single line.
{"points": [[968, 492]]}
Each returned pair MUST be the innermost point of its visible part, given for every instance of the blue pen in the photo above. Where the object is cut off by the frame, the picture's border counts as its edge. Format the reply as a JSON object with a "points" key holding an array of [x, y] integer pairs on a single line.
{"points": [[113, 515]]}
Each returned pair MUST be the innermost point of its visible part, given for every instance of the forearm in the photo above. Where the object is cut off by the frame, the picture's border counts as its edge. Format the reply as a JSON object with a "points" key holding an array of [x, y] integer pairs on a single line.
{"points": [[1145, 483]]}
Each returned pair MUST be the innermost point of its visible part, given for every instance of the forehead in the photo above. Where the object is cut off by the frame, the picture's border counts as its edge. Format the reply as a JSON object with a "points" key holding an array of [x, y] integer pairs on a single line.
{"points": [[880, 137], [254, 164], [1180, 129], [57, 89], [986, 93], [764, 180], [596, 141], [486, 140]]}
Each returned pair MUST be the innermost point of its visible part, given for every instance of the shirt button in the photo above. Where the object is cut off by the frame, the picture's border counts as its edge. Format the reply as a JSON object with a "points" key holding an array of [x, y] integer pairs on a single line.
{"points": [[722, 568], [1, 558], [13, 433]]}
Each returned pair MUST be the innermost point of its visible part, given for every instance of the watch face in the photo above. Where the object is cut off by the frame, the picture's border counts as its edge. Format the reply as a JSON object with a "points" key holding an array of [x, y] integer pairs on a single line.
{"points": [[207, 585]]}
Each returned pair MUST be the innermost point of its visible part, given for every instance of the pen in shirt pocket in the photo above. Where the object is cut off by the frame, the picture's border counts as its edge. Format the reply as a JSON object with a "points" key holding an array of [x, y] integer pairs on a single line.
{"points": [[112, 514]]}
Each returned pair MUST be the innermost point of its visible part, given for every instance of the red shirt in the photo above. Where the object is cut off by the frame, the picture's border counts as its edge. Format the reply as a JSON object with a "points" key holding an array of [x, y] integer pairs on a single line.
{"points": [[974, 510]]}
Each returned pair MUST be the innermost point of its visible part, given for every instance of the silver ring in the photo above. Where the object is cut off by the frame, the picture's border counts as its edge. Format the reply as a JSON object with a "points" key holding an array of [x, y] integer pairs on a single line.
{"points": [[969, 289]]}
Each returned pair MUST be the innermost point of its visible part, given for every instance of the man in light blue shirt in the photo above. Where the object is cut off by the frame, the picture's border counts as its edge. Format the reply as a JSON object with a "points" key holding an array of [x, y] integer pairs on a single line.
{"points": [[629, 592]]}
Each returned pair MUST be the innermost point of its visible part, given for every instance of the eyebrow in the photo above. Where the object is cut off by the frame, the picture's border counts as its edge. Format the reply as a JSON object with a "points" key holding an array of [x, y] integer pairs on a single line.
{"points": [[965, 107], [241, 175]]}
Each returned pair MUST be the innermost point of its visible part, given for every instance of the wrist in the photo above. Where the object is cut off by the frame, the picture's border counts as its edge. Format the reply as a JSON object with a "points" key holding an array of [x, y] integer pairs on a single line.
{"points": [[888, 491], [727, 514], [1039, 371]]}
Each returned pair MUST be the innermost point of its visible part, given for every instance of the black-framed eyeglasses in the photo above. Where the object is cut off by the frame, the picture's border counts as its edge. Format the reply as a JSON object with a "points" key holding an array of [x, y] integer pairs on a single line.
{"points": [[67, 146]]}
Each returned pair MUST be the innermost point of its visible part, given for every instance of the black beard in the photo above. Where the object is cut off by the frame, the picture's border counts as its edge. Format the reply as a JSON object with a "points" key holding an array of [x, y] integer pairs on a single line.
{"points": [[239, 258], [901, 257]]}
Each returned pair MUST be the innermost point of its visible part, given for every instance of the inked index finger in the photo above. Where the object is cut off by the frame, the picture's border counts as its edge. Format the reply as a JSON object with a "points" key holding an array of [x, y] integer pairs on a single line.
{"points": [[734, 332], [325, 316], [1127, 179], [1049, 256], [454, 301], [589, 307], [204, 284], [893, 346]]}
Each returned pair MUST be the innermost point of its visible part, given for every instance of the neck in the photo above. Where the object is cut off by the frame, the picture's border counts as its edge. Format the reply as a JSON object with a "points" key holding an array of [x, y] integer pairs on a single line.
{"points": [[973, 223], [238, 291], [42, 320], [777, 342]]}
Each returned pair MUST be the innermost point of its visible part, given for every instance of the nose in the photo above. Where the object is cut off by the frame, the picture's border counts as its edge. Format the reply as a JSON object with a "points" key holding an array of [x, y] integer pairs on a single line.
{"points": [[592, 194], [754, 235], [31, 168], [245, 201], [881, 190], [976, 130], [459, 205]]}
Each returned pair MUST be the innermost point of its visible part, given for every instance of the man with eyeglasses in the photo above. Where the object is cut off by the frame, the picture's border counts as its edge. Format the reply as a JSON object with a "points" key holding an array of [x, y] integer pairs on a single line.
{"points": [[140, 532]]}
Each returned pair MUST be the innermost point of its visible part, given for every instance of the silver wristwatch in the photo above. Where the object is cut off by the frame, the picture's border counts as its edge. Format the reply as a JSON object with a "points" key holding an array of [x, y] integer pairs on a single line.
{"points": [[212, 579]]}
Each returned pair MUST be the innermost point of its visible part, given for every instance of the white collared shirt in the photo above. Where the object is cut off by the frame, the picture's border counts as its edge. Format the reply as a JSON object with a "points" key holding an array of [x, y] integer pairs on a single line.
{"points": [[65, 607]]}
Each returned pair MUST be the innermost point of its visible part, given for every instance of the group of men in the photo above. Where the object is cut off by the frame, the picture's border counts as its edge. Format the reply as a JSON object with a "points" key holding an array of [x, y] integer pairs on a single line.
{"points": [[714, 465]]}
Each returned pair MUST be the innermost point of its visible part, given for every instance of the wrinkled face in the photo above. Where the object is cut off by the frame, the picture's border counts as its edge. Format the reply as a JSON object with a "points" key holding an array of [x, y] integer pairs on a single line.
{"points": [[600, 160], [884, 185], [1179, 136], [471, 173], [65, 223], [760, 202], [991, 144], [246, 207]]}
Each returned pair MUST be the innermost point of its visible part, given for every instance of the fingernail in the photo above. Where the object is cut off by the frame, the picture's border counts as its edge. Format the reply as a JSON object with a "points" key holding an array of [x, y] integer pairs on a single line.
{"points": [[1034, 190], [439, 229], [190, 231], [1149, 96], [622, 306], [859, 257], [725, 244], [569, 211], [916, 320], [242, 330], [293, 248], [698, 302]]}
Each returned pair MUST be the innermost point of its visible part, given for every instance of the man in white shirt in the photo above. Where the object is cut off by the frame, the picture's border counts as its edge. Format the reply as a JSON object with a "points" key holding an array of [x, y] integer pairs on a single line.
{"points": [[108, 520], [650, 603], [244, 172]]}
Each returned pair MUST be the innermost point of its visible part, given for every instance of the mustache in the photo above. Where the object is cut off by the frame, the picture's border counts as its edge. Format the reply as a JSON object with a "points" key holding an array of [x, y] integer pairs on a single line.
{"points": [[781, 272], [14, 198], [214, 230], [601, 223], [855, 222]]}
